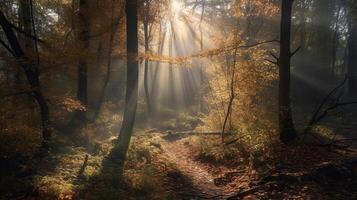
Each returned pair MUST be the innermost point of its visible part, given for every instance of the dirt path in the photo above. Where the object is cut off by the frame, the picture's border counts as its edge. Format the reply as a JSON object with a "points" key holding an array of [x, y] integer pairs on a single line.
{"points": [[194, 178]]}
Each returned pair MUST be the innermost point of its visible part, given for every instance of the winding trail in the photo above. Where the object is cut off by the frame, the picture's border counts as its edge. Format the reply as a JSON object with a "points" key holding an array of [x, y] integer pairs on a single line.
{"points": [[194, 178]]}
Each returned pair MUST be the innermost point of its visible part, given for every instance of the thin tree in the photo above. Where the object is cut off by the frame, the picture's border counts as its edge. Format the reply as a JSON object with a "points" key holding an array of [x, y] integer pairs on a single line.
{"points": [[31, 74], [335, 41], [286, 125], [115, 22], [131, 82], [146, 21], [83, 35], [352, 49]]}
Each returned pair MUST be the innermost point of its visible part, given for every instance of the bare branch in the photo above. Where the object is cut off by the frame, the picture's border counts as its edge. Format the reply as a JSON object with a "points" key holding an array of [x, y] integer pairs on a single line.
{"points": [[274, 56], [272, 62], [6, 46], [25, 34], [319, 114], [294, 52]]}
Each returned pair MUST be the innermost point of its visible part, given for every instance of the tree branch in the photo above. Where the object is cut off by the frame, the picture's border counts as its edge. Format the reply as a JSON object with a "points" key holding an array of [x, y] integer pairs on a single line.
{"points": [[319, 114], [274, 56], [294, 52], [6, 47], [272, 62], [25, 34]]}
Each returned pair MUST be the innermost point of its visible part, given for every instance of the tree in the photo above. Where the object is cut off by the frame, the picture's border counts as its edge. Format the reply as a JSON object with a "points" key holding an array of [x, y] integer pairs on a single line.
{"points": [[335, 41], [286, 125], [131, 82], [26, 22], [324, 14], [83, 36], [31, 74], [115, 22], [352, 49], [146, 21]]}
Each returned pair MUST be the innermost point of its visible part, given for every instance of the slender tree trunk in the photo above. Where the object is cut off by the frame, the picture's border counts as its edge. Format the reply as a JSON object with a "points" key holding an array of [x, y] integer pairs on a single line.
{"points": [[171, 99], [154, 83], [352, 59], [132, 82], [303, 26], [286, 126], [200, 109], [26, 22], [335, 42], [114, 27], [146, 70], [31, 75], [83, 39], [231, 70]]}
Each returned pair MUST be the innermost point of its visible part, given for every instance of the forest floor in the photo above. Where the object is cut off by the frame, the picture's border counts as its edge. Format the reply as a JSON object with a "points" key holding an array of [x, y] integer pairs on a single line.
{"points": [[170, 165]]}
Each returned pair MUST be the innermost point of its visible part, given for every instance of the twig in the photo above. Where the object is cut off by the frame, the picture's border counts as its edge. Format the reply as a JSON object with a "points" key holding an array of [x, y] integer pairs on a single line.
{"points": [[294, 52], [85, 163], [234, 140], [274, 56], [272, 62], [6, 47], [25, 34], [244, 193], [317, 117]]}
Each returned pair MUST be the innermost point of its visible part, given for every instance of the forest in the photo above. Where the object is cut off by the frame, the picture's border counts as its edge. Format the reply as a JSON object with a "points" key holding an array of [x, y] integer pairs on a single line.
{"points": [[178, 99]]}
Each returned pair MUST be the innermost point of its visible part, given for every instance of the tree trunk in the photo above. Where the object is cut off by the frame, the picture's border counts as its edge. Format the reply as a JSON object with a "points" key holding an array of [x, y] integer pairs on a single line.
{"points": [[171, 98], [286, 126], [303, 26], [352, 55], [200, 109], [26, 22], [154, 82], [83, 39], [31, 75], [146, 70], [131, 83], [114, 27], [335, 43]]}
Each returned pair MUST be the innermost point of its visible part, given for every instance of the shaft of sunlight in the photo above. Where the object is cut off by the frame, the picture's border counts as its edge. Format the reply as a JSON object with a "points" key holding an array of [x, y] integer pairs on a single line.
{"points": [[176, 7]]}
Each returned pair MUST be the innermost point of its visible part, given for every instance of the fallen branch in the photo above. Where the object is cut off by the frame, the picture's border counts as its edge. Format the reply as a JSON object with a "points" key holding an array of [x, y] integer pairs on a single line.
{"points": [[234, 140], [346, 139], [325, 175], [320, 114], [84, 165], [244, 193], [194, 133]]}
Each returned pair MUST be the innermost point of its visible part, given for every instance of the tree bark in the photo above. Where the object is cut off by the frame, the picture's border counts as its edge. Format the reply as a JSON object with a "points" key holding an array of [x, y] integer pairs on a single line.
{"points": [[352, 53], [31, 75], [154, 82], [335, 43], [114, 27], [146, 70], [132, 82], [83, 40], [26, 22], [286, 126]]}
